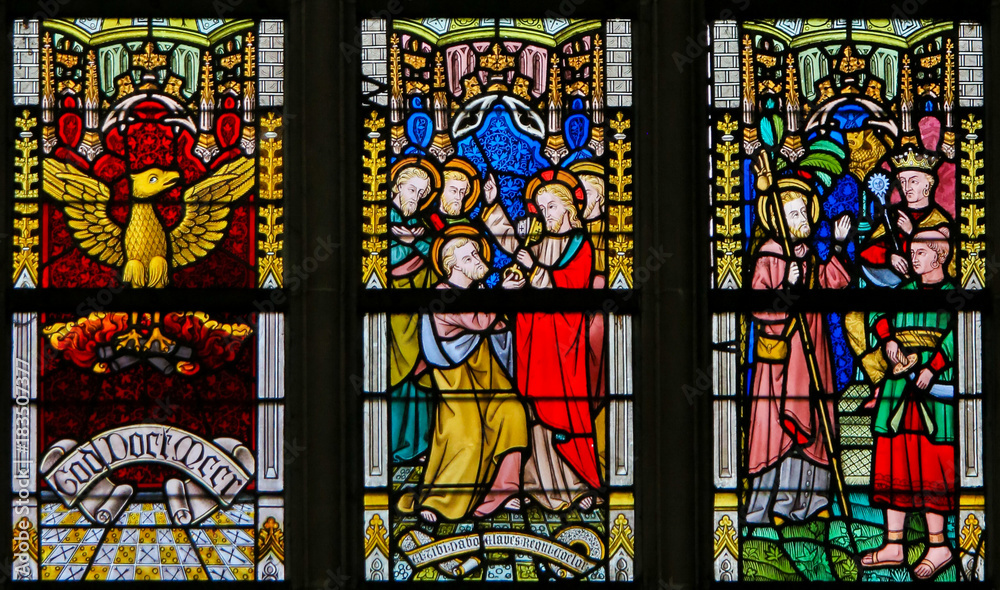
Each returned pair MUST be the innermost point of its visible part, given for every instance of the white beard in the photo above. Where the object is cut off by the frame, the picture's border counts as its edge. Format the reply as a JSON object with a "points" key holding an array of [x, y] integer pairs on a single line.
{"points": [[800, 234], [478, 273], [407, 207]]}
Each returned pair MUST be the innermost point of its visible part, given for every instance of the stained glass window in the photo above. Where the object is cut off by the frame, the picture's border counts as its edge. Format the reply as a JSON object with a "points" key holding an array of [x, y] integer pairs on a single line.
{"points": [[147, 443], [149, 153], [847, 155], [497, 157]]}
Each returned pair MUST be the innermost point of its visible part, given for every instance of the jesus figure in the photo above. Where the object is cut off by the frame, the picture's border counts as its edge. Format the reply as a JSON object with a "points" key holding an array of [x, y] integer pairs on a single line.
{"points": [[552, 348]]}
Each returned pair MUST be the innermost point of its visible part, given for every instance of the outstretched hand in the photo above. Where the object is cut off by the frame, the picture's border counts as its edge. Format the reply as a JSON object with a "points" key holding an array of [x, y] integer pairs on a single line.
{"points": [[794, 273], [524, 257], [513, 281], [904, 223], [490, 189], [892, 351], [842, 227], [900, 264]]}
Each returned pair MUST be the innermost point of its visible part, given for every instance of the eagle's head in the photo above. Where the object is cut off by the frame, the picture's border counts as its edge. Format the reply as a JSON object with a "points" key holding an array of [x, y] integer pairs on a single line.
{"points": [[153, 181]]}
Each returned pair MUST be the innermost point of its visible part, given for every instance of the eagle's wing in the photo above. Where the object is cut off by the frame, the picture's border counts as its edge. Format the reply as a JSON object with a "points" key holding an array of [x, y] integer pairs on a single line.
{"points": [[206, 210], [86, 206]]}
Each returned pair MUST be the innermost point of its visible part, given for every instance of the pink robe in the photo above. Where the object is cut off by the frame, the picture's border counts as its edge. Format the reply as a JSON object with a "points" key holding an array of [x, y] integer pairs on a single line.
{"points": [[781, 391]]}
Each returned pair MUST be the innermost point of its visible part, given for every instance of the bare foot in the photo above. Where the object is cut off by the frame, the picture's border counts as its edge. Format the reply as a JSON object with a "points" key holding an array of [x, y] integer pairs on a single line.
{"points": [[891, 554], [513, 504], [586, 503], [936, 558], [428, 516]]}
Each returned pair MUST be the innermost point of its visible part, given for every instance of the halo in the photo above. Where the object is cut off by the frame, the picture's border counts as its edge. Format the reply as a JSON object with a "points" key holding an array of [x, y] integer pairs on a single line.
{"points": [[797, 184], [460, 164], [762, 213], [427, 166], [562, 177], [459, 230], [588, 168]]}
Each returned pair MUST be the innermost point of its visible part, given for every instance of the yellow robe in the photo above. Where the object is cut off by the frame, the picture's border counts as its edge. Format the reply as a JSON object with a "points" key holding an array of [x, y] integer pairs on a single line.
{"points": [[404, 338], [595, 227], [479, 419], [410, 399]]}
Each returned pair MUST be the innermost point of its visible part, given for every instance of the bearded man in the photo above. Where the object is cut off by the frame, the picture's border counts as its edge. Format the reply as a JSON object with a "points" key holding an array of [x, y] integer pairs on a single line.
{"points": [[459, 195], [553, 348], [474, 465], [414, 182], [788, 461]]}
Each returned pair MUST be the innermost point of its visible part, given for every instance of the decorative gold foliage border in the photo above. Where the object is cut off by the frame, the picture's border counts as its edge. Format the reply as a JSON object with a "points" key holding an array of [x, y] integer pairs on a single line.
{"points": [[972, 206], [270, 262], [375, 262], [376, 536], [26, 187], [620, 245], [728, 245], [271, 541]]}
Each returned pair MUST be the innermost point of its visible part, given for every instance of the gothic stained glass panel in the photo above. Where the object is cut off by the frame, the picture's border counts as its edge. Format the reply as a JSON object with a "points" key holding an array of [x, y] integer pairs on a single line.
{"points": [[847, 154], [491, 459], [498, 446], [517, 129], [886, 130], [149, 153], [148, 446]]}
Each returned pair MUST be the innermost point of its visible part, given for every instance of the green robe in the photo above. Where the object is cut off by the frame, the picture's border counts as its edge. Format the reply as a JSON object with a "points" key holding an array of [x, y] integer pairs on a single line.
{"points": [[411, 408], [926, 333], [399, 251]]}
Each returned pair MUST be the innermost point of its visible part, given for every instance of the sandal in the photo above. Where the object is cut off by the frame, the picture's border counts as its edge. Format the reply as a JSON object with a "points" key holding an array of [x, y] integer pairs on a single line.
{"points": [[934, 541], [871, 559]]}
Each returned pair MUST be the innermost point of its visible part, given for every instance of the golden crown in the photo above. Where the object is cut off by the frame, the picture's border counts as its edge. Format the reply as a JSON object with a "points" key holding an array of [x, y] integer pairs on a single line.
{"points": [[911, 160]]}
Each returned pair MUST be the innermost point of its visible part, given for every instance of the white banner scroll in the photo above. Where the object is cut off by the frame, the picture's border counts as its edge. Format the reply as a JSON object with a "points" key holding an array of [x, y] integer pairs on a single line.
{"points": [[450, 554], [78, 473]]}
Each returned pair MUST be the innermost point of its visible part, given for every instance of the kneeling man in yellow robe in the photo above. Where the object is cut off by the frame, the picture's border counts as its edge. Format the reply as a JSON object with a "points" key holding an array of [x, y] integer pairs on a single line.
{"points": [[480, 431]]}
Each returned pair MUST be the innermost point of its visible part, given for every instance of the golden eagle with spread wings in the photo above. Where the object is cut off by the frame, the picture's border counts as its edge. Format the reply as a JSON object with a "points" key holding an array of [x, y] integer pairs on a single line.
{"points": [[144, 247]]}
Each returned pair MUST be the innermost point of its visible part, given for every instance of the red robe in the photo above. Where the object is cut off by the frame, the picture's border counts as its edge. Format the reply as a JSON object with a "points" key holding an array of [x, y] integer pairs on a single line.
{"points": [[781, 405], [878, 249], [552, 367]]}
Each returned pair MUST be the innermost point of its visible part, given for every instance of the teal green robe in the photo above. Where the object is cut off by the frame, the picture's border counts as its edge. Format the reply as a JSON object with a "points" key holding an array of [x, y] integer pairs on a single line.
{"points": [[938, 414], [411, 407], [398, 251]]}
